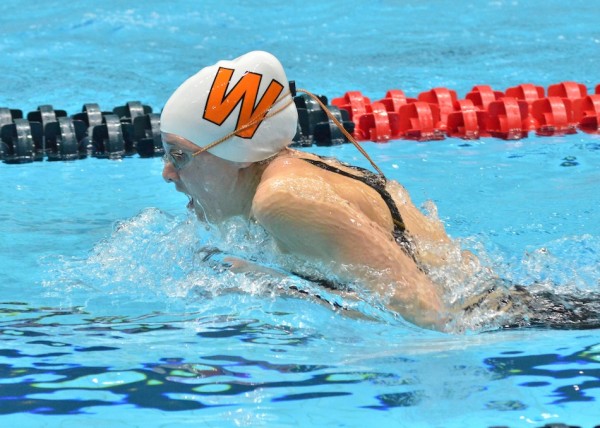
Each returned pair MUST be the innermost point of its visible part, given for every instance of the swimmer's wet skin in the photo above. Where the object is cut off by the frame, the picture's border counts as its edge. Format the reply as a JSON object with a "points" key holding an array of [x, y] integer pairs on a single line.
{"points": [[225, 133]]}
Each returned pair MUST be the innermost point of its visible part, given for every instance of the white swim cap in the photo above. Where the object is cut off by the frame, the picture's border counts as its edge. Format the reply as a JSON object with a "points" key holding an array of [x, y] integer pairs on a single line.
{"points": [[225, 97]]}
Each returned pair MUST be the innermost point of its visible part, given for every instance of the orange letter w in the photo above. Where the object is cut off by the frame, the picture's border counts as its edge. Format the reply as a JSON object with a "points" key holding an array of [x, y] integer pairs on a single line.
{"points": [[221, 103]]}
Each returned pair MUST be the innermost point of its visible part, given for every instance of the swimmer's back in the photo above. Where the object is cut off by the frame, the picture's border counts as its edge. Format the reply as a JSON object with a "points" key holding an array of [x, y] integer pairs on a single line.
{"points": [[290, 176]]}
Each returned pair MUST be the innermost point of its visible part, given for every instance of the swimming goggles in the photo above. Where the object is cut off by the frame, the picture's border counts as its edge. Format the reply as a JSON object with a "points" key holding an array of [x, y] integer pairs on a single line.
{"points": [[177, 157]]}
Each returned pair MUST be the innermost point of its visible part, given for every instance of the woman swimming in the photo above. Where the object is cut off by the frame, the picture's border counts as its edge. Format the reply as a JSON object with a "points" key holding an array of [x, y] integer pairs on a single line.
{"points": [[226, 132]]}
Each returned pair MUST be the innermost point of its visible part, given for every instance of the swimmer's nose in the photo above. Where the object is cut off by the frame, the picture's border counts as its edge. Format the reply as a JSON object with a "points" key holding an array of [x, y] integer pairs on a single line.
{"points": [[170, 174]]}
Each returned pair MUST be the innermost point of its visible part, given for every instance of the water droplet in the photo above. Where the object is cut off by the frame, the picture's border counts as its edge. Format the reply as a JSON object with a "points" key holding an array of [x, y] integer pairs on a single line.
{"points": [[569, 163]]}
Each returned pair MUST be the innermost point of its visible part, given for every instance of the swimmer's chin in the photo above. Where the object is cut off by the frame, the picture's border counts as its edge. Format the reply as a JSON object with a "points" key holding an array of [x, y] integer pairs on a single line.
{"points": [[192, 206]]}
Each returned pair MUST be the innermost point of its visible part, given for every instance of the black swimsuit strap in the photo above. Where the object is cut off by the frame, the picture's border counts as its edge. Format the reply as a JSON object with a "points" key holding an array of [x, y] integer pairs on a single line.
{"points": [[377, 183]]}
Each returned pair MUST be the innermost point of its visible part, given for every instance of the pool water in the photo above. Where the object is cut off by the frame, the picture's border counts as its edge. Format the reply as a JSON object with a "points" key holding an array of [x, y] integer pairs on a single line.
{"points": [[113, 312]]}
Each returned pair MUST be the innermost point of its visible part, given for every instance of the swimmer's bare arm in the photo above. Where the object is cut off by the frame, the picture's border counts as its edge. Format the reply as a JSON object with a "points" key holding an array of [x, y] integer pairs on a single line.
{"points": [[308, 218]]}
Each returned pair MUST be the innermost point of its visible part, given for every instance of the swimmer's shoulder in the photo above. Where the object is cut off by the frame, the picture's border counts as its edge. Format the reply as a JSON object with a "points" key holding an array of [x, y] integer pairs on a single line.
{"points": [[289, 185], [285, 178], [289, 163], [299, 164]]}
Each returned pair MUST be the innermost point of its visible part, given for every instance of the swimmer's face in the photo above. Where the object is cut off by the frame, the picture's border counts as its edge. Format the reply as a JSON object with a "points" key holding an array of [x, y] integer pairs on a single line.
{"points": [[205, 178]]}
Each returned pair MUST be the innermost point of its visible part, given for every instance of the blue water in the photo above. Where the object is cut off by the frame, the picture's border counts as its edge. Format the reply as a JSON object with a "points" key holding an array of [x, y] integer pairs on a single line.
{"points": [[110, 317]]}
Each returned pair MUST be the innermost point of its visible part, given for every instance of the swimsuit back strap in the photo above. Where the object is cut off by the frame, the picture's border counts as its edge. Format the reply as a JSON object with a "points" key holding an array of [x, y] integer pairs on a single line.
{"points": [[377, 183]]}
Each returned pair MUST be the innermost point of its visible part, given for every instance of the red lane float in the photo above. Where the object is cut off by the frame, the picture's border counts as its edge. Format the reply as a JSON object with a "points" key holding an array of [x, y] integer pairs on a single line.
{"points": [[526, 92], [394, 99], [376, 125], [482, 96], [444, 99], [355, 103], [484, 111], [553, 115], [418, 121], [529, 93], [569, 90], [466, 121], [505, 118], [586, 112], [371, 121]]}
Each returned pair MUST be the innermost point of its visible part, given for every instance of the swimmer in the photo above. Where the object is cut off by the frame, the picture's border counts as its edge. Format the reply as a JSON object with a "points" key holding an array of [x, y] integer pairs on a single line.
{"points": [[226, 132]]}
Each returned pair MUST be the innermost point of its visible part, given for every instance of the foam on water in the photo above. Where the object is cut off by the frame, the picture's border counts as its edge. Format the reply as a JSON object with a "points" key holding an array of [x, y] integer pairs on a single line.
{"points": [[166, 261], [156, 260]]}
